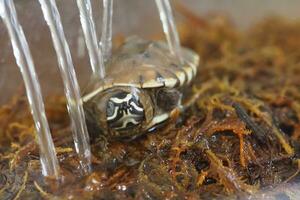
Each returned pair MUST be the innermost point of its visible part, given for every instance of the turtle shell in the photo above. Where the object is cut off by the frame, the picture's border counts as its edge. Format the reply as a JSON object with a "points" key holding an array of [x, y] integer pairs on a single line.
{"points": [[146, 64]]}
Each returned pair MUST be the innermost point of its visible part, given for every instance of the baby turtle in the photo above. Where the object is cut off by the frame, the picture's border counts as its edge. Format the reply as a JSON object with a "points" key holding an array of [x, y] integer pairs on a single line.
{"points": [[144, 83]]}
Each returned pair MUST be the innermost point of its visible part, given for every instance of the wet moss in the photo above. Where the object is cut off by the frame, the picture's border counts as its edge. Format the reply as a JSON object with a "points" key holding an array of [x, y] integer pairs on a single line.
{"points": [[240, 138]]}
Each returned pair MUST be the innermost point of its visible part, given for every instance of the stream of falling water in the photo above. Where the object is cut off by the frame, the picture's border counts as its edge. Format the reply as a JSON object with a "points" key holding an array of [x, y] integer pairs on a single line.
{"points": [[48, 157], [72, 91], [169, 27], [88, 26], [106, 37], [24, 60]]}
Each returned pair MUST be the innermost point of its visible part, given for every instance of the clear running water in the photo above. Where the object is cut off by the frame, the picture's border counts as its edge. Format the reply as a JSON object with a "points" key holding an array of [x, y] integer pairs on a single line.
{"points": [[106, 37], [24, 60], [72, 91], [169, 27], [88, 26]]}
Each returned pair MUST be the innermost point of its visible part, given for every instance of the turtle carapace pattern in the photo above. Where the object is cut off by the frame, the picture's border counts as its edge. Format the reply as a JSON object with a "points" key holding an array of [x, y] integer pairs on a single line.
{"points": [[144, 83]]}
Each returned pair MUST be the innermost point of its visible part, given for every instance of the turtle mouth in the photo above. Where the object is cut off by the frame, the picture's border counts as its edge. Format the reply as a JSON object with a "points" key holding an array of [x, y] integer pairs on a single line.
{"points": [[153, 127], [156, 123]]}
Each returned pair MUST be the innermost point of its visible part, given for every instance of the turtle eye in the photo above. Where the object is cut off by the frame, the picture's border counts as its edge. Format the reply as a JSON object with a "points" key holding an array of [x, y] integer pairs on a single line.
{"points": [[124, 111]]}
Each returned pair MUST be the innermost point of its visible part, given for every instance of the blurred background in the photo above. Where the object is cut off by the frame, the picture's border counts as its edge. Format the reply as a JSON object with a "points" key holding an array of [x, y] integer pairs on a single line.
{"points": [[131, 17]]}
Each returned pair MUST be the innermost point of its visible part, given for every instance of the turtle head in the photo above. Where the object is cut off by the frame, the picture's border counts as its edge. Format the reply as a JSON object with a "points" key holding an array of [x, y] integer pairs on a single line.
{"points": [[122, 112]]}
